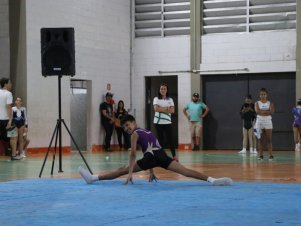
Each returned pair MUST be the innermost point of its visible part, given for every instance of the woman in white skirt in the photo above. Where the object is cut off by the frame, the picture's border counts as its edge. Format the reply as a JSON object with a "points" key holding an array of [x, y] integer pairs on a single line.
{"points": [[264, 126]]}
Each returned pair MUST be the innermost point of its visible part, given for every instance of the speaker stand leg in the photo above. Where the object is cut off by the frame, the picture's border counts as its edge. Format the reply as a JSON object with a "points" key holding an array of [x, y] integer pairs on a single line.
{"points": [[46, 156], [78, 149]]}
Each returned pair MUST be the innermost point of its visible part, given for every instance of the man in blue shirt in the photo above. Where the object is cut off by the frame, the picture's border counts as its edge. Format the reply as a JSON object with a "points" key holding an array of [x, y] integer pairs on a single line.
{"points": [[194, 113]]}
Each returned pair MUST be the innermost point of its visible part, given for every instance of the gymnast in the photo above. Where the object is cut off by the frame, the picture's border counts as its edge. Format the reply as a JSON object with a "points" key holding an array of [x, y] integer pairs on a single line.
{"points": [[153, 156]]}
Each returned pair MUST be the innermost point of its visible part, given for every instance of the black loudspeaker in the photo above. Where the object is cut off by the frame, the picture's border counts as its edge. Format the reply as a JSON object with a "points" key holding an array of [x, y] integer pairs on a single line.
{"points": [[57, 51]]}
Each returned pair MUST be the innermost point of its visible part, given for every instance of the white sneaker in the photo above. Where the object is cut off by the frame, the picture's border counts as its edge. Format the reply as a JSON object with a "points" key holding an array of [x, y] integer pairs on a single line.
{"points": [[222, 181], [297, 147], [86, 175], [243, 151], [23, 154], [253, 151]]}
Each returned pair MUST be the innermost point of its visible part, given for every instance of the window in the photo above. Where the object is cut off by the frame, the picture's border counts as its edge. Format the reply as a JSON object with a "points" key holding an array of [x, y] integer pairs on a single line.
{"points": [[162, 18], [222, 16], [78, 86]]}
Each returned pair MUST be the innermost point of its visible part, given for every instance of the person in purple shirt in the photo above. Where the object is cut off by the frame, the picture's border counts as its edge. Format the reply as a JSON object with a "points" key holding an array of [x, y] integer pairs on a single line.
{"points": [[153, 156], [297, 124]]}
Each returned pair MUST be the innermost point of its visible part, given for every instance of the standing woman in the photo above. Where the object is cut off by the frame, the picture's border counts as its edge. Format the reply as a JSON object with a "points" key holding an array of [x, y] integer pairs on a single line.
{"points": [[120, 112], [164, 107], [264, 126]]}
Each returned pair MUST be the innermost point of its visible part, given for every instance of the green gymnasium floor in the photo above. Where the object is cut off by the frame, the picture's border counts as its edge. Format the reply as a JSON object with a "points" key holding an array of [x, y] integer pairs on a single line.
{"points": [[285, 168]]}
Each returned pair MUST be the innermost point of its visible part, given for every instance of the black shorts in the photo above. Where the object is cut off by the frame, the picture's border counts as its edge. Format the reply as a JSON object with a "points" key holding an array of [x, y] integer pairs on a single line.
{"points": [[159, 158], [3, 134]]}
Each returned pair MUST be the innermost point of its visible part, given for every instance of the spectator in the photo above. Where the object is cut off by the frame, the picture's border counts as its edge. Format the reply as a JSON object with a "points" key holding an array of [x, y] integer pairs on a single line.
{"points": [[164, 107], [248, 115], [264, 126], [107, 119], [194, 113], [6, 100], [120, 112], [297, 124], [20, 121]]}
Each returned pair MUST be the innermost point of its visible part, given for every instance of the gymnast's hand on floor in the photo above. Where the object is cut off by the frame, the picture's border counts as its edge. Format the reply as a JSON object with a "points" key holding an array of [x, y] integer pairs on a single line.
{"points": [[129, 179], [152, 176]]}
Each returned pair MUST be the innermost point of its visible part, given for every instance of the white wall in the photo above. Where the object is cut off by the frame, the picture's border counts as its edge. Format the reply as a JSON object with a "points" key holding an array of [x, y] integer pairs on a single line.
{"points": [[271, 51], [102, 46], [162, 54], [4, 39]]}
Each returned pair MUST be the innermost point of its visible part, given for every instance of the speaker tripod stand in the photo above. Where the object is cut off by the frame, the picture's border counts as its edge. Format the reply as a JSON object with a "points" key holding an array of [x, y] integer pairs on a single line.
{"points": [[57, 133]]}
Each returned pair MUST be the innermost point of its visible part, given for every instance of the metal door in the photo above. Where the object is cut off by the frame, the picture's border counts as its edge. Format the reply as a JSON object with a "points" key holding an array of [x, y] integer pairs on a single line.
{"points": [[224, 95]]}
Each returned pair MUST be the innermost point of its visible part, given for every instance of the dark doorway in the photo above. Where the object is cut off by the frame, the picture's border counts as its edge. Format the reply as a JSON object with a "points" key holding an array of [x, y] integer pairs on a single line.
{"points": [[224, 95], [152, 85]]}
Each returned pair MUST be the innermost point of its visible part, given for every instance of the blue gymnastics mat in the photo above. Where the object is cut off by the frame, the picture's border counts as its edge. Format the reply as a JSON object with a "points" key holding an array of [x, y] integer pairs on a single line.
{"points": [[73, 202]]}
